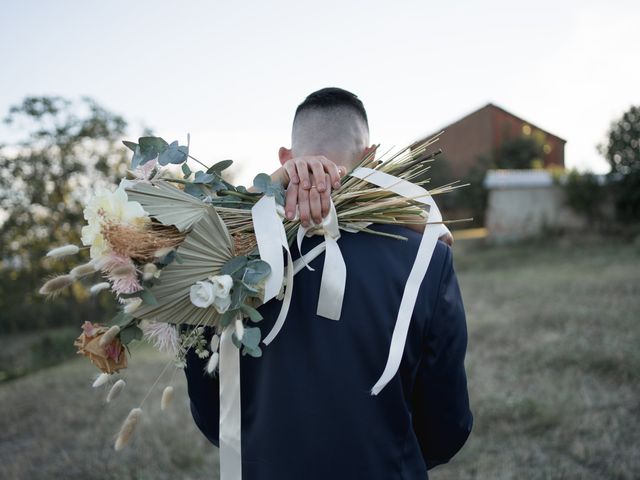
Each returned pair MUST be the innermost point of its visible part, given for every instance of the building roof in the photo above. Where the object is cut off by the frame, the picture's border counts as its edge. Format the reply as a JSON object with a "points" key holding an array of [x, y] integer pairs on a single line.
{"points": [[496, 107]]}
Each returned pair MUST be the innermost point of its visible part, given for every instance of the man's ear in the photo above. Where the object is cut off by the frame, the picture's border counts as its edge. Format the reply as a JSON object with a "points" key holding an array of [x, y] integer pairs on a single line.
{"points": [[284, 154], [369, 150]]}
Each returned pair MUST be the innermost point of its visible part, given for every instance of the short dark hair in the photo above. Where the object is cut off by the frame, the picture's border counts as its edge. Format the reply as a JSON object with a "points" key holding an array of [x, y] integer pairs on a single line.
{"points": [[333, 97]]}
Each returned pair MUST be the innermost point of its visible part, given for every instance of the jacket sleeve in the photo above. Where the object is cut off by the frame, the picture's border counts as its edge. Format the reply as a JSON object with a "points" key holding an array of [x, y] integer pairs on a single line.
{"points": [[442, 419], [203, 390]]}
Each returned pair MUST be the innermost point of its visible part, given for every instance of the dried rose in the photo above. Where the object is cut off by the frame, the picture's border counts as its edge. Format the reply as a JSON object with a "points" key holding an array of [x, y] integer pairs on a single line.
{"points": [[109, 358]]}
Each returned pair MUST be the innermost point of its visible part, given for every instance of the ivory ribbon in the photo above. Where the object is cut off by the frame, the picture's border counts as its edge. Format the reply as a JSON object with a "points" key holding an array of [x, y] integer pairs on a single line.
{"points": [[420, 264], [334, 270], [230, 409], [271, 238]]}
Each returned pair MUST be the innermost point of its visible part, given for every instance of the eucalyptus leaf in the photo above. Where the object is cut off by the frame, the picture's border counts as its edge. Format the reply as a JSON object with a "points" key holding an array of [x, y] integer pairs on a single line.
{"points": [[235, 266], [130, 333], [255, 271], [254, 315], [130, 145], [262, 182], [220, 166], [186, 170], [254, 352], [173, 153], [251, 337], [227, 318], [202, 177], [121, 319]]}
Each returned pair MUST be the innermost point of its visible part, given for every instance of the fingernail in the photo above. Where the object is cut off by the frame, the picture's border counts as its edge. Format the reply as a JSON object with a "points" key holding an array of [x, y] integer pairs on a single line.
{"points": [[336, 185], [289, 214]]}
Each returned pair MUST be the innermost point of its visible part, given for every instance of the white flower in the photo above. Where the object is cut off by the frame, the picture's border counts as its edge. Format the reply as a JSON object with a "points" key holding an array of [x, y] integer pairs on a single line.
{"points": [[202, 294], [109, 206], [216, 292]]}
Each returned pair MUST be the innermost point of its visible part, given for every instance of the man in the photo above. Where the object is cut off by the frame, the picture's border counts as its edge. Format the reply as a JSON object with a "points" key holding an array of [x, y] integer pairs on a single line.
{"points": [[307, 410]]}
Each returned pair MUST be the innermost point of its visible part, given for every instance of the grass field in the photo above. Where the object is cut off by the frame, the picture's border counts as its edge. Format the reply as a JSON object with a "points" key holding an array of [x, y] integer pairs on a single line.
{"points": [[553, 367]]}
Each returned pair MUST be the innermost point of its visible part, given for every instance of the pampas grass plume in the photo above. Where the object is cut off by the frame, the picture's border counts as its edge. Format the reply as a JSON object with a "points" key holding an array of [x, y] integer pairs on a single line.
{"points": [[167, 395], [63, 251], [128, 426], [101, 380], [82, 270], [109, 335], [115, 390], [56, 284]]}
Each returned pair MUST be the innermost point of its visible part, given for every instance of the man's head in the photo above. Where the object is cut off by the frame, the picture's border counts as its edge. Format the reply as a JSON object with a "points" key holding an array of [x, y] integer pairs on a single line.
{"points": [[330, 122]]}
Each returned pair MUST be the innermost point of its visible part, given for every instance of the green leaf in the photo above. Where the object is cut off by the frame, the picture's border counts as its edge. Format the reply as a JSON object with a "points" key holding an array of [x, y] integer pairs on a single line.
{"points": [[205, 178], [234, 267], [255, 271], [148, 297], [220, 166], [130, 145], [262, 182], [253, 314], [228, 317], [132, 332], [148, 148], [251, 337], [238, 296], [254, 352], [122, 319], [173, 153], [186, 170]]}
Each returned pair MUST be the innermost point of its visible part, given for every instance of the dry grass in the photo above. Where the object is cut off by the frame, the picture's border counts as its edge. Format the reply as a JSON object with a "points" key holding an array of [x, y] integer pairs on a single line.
{"points": [[553, 365], [553, 362]]}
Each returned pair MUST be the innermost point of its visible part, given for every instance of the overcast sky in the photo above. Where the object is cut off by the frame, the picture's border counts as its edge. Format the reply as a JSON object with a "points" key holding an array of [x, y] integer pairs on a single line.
{"points": [[232, 73]]}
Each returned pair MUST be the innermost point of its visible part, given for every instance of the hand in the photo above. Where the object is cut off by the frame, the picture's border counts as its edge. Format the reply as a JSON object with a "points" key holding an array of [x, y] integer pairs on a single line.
{"points": [[446, 238], [312, 204], [310, 180]]}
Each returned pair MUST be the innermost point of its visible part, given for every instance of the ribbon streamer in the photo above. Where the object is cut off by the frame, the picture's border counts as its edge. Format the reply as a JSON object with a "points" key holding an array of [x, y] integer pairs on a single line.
{"points": [[230, 408], [334, 270], [419, 269]]}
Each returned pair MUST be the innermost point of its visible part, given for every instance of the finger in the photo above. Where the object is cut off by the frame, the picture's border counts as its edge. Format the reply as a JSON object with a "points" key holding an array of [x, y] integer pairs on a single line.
{"points": [[303, 206], [332, 169], [325, 198], [318, 174], [290, 170], [290, 201], [303, 173], [315, 205]]}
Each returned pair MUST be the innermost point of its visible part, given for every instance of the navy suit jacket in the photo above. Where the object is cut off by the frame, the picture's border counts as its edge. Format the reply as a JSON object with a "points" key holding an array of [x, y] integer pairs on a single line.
{"points": [[307, 411]]}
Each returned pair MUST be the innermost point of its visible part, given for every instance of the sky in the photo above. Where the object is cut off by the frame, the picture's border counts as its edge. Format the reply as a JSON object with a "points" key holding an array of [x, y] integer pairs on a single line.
{"points": [[232, 73]]}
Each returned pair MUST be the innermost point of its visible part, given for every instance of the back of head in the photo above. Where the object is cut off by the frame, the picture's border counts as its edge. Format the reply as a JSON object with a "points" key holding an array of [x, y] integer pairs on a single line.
{"points": [[331, 122]]}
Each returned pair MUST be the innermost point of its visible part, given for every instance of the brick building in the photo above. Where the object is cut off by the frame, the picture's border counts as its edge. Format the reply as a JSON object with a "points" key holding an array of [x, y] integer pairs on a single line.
{"points": [[483, 131]]}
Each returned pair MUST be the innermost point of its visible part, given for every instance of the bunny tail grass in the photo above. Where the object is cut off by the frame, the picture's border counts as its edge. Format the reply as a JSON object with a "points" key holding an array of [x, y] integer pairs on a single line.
{"points": [[82, 270], [127, 429], [109, 335], [115, 390], [63, 251], [98, 287], [101, 380], [56, 284], [167, 395], [212, 363]]}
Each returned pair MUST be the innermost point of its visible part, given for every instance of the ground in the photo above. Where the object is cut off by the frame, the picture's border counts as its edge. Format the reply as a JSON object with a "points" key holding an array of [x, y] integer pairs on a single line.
{"points": [[553, 367]]}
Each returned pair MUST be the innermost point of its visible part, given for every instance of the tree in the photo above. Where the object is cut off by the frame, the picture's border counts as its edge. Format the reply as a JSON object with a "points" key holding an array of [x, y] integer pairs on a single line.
{"points": [[622, 151], [67, 149]]}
